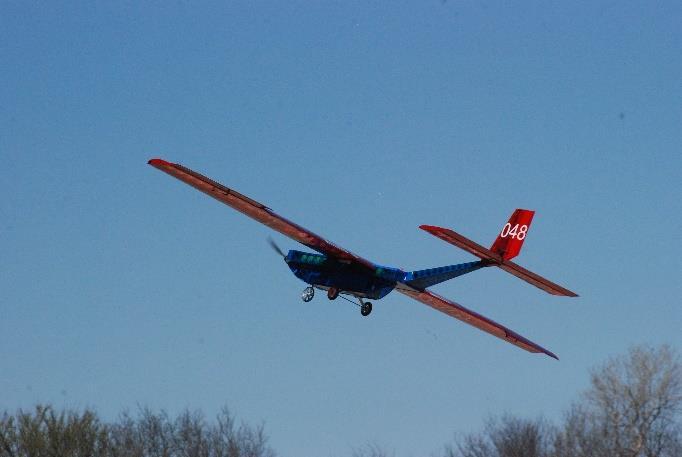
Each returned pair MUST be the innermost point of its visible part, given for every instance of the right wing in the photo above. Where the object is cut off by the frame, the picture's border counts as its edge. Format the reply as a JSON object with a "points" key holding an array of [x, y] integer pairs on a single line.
{"points": [[472, 318], [258, 211]]}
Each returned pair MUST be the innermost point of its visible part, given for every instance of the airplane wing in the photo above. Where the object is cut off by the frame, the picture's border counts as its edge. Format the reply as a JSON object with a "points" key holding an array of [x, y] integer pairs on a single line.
{"points": [[472, 318], [258, 211]]}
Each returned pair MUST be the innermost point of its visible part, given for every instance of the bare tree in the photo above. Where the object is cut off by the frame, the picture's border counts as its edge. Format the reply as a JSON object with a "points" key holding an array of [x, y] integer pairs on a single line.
{"points": [[507, 436], [577, 437], [46, 433], [633, 406]]}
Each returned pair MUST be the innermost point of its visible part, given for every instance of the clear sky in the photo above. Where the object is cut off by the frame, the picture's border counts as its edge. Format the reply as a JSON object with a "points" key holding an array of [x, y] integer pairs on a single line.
{"points": [[120, 286]]}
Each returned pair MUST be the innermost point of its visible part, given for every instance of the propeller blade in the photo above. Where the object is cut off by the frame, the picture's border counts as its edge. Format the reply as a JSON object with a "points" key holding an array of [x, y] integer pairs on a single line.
{"points": [[276, 248]]}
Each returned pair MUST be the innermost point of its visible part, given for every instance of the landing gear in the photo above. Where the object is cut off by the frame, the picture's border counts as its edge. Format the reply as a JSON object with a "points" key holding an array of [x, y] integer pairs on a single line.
{"points": [[308, 294], [332, 293], [366, 308]]}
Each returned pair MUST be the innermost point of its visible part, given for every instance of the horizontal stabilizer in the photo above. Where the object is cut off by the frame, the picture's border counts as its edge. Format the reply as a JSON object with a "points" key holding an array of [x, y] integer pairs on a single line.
{"points": [[493, 259], [462, 242], [535, 279]]}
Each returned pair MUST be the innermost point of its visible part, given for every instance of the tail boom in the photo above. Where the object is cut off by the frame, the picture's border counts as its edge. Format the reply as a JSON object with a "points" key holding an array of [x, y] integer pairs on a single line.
{"points": [[421, 279]]}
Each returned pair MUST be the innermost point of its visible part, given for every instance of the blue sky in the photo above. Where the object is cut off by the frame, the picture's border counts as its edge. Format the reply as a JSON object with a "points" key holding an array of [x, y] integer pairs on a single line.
{"points": [[120, 286]]}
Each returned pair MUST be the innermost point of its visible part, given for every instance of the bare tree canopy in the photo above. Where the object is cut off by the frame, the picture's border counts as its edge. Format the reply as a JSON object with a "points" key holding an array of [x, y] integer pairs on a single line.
{"points": [[45, 433], [507, 436], [633, 408], [634, 403]]}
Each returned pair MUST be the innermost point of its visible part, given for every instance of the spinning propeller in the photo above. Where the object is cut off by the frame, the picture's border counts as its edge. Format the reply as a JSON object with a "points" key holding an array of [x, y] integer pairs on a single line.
{"points": [[276, 248]]}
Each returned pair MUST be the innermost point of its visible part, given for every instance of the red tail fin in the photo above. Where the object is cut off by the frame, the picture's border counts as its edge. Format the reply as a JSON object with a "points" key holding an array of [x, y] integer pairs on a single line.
{"points": [[509, 241]]}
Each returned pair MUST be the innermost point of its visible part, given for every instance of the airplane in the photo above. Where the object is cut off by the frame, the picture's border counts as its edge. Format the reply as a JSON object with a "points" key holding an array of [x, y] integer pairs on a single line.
{"points": [[341, 273]]}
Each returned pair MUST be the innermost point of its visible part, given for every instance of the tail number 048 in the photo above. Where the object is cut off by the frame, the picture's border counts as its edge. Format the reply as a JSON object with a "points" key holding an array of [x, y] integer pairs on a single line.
{"points": [[518, 232]]}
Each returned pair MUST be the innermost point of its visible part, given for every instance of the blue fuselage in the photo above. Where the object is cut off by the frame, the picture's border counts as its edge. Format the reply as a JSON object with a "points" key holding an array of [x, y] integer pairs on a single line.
{"points": [[368, 281], [324, 272]]}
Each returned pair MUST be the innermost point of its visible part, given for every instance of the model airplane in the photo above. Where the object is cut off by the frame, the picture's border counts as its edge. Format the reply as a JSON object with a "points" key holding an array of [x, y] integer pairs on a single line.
{"points": [[340, 272]]}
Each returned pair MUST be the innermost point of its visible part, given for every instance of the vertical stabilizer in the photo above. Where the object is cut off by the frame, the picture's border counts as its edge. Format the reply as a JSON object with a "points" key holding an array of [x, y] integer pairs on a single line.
{"points": [[509, 241]]}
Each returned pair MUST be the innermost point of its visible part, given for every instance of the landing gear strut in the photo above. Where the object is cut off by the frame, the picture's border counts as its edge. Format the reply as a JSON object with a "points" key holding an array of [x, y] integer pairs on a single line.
{"points": [[365, 306], [308, 294]]}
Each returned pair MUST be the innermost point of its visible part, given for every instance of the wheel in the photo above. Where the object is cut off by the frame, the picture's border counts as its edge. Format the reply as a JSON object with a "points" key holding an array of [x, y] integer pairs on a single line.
{"points": [[332, 293], [308, 294], [366, 308]]}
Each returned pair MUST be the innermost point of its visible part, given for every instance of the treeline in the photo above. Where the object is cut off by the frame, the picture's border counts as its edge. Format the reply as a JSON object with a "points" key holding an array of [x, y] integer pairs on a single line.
{"points": [[633, 408], [45, 432]]}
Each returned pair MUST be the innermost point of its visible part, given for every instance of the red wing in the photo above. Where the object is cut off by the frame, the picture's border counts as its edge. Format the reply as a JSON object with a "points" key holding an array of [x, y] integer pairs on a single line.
{"points": [[257, 211], [472, 318]]}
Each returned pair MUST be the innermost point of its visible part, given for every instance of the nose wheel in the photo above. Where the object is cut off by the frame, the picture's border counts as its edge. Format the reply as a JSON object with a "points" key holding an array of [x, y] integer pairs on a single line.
{"points": [[308, 294]]}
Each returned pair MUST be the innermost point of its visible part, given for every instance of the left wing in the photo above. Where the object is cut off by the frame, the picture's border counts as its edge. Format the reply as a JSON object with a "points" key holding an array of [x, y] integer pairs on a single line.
{"points": [[472, 318], [258, 211]]}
